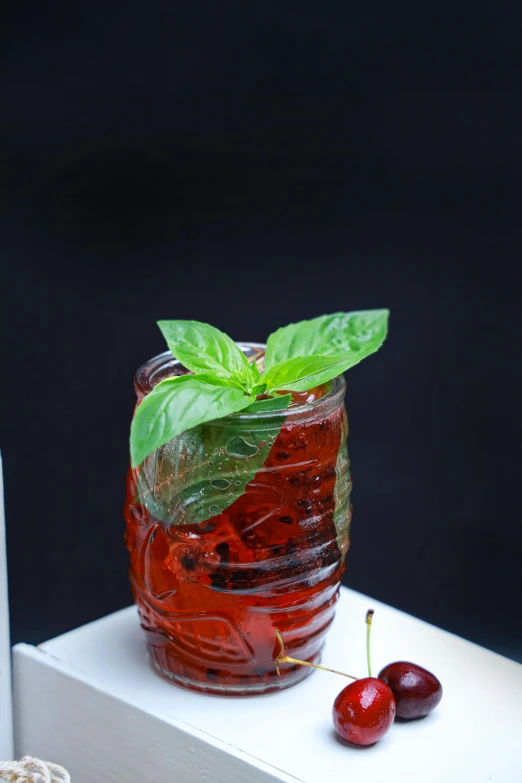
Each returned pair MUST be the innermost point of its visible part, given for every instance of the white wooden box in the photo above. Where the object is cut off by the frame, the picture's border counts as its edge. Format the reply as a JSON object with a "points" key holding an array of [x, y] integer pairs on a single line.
{"points": [[90, 700]]}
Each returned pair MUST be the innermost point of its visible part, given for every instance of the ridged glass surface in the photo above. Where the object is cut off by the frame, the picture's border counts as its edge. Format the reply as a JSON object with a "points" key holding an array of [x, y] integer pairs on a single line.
{"points": [[210, 595]]}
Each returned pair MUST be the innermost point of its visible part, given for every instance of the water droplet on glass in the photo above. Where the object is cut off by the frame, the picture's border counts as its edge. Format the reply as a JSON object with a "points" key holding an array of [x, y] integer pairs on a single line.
{"points": [[237, 482], [211, 463], [239, 447], [213, 510], [220, 484]]}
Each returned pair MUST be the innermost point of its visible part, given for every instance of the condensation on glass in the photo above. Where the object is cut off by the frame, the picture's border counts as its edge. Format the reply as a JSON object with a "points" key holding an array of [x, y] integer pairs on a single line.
{"points": [[235, 529]]}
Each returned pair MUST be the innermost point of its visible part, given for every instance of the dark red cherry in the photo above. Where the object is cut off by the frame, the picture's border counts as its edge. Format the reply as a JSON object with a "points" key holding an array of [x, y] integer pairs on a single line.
{"points": [[417, 691], [364, 711]]}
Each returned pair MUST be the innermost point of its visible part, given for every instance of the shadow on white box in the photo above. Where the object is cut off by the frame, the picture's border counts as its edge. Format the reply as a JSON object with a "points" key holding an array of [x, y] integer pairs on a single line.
{"points": [[90, 700]]}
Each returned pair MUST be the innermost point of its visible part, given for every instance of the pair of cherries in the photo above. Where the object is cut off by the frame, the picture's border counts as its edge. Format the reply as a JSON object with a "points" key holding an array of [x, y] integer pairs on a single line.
{"points": [[364, 711]]}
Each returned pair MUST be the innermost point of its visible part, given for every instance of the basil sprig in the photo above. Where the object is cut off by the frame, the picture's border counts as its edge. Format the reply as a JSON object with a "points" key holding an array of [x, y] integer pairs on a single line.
{"points": [[203, 348], [298, 357]]}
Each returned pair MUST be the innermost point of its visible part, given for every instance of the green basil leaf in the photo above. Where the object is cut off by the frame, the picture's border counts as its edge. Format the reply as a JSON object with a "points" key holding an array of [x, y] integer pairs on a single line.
{"points": [[278, 403], [360, 333], [202, 471], [255, 371], [303, 373], [259, 389], [178, 404], [203, 348]]}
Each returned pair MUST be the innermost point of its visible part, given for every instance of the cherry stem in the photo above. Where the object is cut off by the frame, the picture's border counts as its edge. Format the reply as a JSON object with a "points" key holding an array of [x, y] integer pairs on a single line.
{"points": [[283, 658], [369, 616]]}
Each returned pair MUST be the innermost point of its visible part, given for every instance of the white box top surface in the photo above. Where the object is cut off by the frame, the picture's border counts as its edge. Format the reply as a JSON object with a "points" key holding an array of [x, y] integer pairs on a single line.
{"points": [[474, 735]]}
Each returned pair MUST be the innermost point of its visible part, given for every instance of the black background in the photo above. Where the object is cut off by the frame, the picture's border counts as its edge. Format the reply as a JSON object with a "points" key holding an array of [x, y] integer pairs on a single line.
{"points": [[251, 164]]}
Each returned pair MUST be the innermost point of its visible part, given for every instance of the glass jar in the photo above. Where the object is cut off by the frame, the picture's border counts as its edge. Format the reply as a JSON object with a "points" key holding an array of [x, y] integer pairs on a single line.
{"points": [[235, 529]]}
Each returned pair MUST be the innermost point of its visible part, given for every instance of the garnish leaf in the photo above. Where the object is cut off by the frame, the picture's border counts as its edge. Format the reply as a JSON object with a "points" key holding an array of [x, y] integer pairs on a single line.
{"points": [[203, 348], [178, 404], [277, 403], [302, 374], [203, 471], [359, 333], [255, 371]]}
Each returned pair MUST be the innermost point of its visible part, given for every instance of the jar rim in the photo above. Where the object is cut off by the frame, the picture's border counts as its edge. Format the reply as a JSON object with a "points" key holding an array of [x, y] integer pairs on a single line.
{"points": [[164, 365]]}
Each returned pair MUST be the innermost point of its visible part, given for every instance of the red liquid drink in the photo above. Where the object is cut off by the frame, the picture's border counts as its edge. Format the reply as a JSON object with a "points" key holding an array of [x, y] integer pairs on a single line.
{"points": [[269, 554]]}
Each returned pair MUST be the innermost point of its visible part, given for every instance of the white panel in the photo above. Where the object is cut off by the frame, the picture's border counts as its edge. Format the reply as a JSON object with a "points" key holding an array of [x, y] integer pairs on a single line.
{"points": [[100, 738]]}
